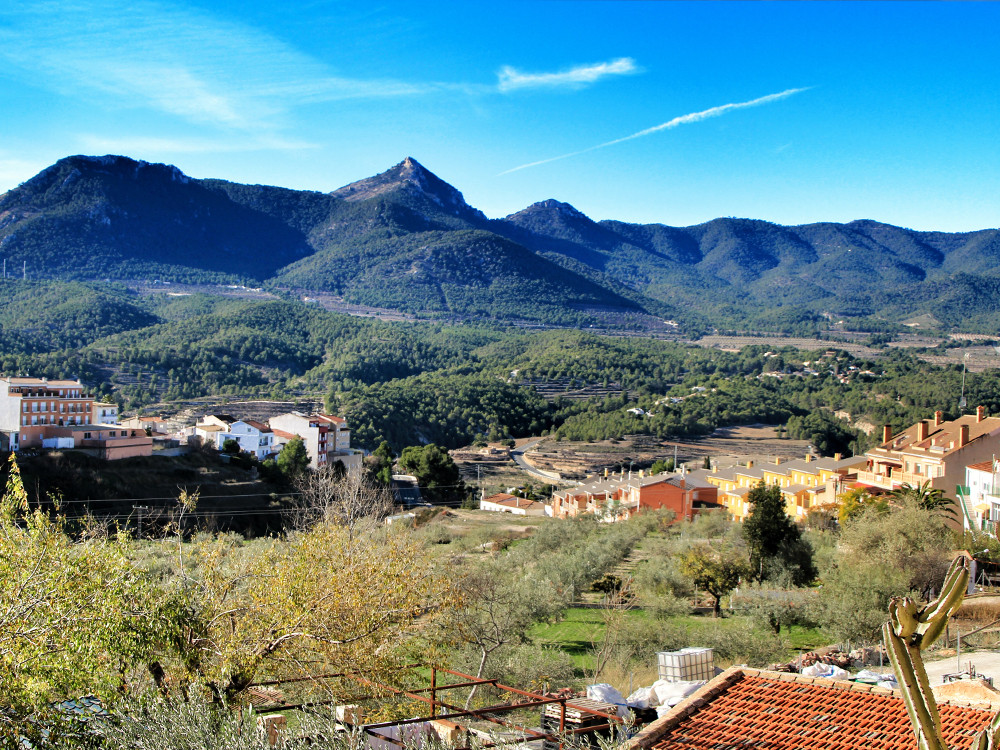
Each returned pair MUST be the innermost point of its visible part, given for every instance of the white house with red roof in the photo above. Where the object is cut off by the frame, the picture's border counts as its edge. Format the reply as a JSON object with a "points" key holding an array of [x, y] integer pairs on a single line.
{"points": [[507, 503], [327, 438], [254, 437]]}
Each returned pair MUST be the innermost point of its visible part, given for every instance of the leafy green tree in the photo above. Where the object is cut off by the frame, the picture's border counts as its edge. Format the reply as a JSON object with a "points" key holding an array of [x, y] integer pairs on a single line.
{"points": [[855, 501], [500, 604], [380, 462], [828, 434], [774, 540], [926, 498], [436, 473], [324, 598], [661, 466], [854, 599], [76, 615], [231, 446], [717, 570], [776, 607], [293, 460]]}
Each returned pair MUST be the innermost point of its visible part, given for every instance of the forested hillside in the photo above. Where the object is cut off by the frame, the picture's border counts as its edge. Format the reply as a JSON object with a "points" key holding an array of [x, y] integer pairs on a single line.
{"points": [[407, 240], [412, 383]]}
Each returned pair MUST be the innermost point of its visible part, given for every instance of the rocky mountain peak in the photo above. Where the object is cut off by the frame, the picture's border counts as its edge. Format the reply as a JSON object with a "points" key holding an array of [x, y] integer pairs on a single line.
{"points": [[549, 208], [411, 177]]}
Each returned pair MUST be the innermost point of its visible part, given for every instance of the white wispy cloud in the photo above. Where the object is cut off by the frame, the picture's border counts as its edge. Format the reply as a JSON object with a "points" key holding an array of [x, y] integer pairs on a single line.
{"points": [[151, 145], [705, 114], [509, 78], [178, 60]]}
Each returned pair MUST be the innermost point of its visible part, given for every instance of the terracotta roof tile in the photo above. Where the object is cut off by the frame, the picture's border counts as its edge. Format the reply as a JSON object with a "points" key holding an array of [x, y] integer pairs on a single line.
{"points": [[751, 708]]}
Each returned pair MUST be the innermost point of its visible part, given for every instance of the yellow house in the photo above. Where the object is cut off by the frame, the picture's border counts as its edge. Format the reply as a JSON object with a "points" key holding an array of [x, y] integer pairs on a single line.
{"points": [[804, 484]]}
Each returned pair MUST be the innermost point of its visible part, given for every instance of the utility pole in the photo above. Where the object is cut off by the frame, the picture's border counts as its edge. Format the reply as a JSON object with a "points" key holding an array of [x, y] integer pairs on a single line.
{"points": [[24, 271], [141, 508], [961, 401]]}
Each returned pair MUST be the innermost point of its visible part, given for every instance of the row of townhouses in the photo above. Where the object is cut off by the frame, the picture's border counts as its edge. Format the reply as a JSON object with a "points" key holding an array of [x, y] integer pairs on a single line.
{"points": [[805, 483], [960, 457], [620, 498]]}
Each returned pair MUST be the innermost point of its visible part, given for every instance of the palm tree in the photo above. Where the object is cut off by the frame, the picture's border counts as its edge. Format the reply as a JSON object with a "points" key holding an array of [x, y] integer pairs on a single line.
{"points": [[925, 497]]}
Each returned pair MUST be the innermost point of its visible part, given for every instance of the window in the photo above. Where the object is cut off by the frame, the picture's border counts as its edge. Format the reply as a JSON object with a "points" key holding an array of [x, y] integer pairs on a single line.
{"points": [[25, 407]]}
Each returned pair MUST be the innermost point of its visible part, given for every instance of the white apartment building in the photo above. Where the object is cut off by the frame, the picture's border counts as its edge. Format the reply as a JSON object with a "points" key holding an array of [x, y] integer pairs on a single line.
{"points": [[327, 438]]}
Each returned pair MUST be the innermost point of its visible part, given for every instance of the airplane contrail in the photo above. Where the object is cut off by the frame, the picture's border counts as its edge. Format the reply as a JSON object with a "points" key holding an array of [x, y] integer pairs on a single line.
{"points": [[670, 124]]}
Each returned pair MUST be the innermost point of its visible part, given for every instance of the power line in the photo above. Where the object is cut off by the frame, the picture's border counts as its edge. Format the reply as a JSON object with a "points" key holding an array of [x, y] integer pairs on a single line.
{"points": [[273, 495]]}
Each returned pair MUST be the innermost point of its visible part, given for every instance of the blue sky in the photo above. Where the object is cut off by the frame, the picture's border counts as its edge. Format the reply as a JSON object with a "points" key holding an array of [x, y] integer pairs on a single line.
{"points": [[664, 112]]}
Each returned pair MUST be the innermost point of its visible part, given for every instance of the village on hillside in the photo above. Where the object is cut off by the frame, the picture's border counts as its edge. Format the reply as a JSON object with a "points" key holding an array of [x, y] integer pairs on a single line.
{"points": [[956, 457]]}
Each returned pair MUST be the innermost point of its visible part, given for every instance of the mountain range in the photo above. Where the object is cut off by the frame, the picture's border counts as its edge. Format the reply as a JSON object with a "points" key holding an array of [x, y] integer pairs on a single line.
{"points": [[407, 240]]}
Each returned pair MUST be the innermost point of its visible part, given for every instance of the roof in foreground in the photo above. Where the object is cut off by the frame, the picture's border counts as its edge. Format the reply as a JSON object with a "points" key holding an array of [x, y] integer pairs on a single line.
{"points": [[754, 708]]}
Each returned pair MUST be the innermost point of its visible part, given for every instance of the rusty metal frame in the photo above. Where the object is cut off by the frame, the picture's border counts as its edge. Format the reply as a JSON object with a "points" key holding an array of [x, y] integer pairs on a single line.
{"points": [[456, 712]]}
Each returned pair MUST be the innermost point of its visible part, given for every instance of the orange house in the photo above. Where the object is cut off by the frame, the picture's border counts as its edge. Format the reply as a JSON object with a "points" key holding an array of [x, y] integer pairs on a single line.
{"points": [[617, 499], [108, 441]]}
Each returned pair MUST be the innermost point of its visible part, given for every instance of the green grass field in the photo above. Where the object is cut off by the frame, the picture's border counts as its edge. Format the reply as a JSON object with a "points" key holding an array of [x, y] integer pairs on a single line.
{"points": [[581, 628]]}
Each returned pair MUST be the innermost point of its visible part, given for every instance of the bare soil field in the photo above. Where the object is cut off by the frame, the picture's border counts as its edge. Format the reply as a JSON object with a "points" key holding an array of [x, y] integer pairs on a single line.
{"points": [[980, 357], [726, 447], [735, 343]]}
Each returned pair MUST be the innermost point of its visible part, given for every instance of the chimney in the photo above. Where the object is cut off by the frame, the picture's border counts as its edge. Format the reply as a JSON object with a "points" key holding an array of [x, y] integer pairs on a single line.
{"points": [[837, 456], [749, 464], [605, 472], [642, 473], [980, 413], [777, 460], [922, 430], [809, 457], [886, 433], [938, 418], [963, 435]]}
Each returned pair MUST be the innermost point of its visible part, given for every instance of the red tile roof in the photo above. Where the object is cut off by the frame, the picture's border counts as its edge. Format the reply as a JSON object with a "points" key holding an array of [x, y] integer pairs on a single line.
{"points": [[744, 708], [499, 497]]}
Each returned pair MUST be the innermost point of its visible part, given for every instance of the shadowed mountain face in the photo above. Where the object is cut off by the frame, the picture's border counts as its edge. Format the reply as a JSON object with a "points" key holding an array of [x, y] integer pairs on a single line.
{"points": [[408, 240], [87, 217]]}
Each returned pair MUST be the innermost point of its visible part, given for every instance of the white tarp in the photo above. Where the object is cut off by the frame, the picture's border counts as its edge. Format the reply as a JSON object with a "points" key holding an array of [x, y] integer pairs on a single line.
{"points": [[607, 694]]}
